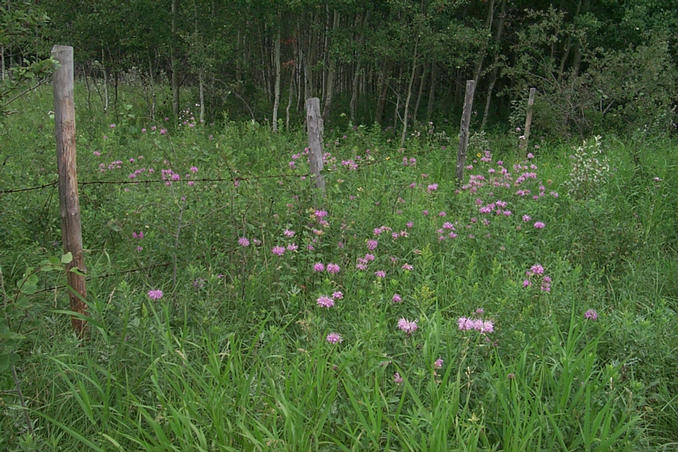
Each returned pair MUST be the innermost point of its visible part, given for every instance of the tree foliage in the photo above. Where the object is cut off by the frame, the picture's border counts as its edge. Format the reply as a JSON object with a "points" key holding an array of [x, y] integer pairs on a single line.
{"points": [[608, 63]]}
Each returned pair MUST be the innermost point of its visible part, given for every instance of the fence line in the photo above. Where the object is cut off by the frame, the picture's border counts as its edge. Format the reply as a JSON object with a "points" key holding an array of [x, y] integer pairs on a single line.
{"points": [[37, 187], [162, 181], [156, 181], [105, 275]]}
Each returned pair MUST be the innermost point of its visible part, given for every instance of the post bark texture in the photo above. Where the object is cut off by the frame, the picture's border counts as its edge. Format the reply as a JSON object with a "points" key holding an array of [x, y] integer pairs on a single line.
{"points": [[314, 126], [528, 120], [464, 130], [64, 131]]}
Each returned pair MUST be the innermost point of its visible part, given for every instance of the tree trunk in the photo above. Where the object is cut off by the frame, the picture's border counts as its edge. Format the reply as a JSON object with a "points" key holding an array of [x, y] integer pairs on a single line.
{"points": [[431, 92], [422, 79], [483, 51], [495, 67], [151, 87], [382, 89], [201, 86], [331, 72], [276, 100], [409, 93], [173, 62], [289, 100], [2, 62], [103, 68], [354, 93]]}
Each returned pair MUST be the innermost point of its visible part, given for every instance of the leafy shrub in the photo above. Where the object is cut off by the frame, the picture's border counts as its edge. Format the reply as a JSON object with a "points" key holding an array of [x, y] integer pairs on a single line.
{"points": [[590, 169]]}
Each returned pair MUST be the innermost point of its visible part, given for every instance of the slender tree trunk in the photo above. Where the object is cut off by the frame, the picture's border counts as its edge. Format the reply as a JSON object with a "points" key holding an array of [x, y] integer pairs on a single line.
{"points": [[289, 100], [152, 87], [173, 62], [431, 92], [422, 79], [276, 101], [356, 74], [495, 64], [116, 83], [409, 93], [103, 68], [331, 72], [382, 89], [201, 71], [2, 62], [325, 71], [201, 87], [483, 51], [396, 112], [354, 93], [239, 52]]}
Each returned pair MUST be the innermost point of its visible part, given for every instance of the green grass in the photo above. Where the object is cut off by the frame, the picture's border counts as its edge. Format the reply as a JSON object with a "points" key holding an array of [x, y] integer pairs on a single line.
{"points": [[234, 356]]}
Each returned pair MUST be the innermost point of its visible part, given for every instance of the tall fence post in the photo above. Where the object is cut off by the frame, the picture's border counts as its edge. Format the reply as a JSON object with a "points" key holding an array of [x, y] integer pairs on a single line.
{"points": [[314, 127], [71, 232], [463, 130], [528, 120]]}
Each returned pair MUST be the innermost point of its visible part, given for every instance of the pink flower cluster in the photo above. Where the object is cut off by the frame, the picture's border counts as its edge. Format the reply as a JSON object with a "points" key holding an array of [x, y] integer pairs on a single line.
{"points": [[331, 268], [484, 326], [536, 274], [333, 338], [155, 294], [325, 302], [407, 326]]}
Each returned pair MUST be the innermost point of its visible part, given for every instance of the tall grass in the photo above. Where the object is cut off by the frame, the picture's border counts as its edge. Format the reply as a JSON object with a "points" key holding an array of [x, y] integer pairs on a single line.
{"points": [[234, 355]]}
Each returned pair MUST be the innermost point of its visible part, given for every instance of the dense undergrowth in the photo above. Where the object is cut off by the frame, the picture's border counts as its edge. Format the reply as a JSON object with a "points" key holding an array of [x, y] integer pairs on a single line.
{"points": [[401, 312]]}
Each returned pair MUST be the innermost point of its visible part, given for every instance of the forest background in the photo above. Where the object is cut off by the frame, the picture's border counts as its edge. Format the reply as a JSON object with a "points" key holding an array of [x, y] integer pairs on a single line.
{"points": [[595, 64]]}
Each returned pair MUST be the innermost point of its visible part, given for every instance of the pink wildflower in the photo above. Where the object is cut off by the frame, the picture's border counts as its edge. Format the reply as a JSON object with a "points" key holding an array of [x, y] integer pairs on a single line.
{"points": [[278, 250], [539, 225], [338, 295], [438, 364], [333, 338], [333, 268], [155, 294], [591, 314], [397, 379], [407, 326], [244, 242], [319, 267], [396, 298], [325, 301]]}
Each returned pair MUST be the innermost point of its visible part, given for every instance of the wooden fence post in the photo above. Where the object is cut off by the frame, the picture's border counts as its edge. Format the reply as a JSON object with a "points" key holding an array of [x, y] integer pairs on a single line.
{"points": [[528, 120], [463, 130], [314, 127], [64, 131]]}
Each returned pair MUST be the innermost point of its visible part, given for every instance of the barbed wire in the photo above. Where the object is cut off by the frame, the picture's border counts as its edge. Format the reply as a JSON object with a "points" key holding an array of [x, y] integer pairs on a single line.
{"points": [[159, 181], [232, 179], [37, 187], [105, 275]]}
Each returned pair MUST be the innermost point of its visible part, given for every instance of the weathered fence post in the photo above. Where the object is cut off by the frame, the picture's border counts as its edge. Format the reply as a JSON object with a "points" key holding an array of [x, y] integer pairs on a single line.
{"points": [[528, 120], [64, 131], [314, 127], [463, 130]]}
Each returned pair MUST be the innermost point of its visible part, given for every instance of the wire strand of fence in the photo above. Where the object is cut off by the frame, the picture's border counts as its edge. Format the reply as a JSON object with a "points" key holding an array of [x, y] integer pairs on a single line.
{"points": [[25, 189], [232, 179], [105, 275]]}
